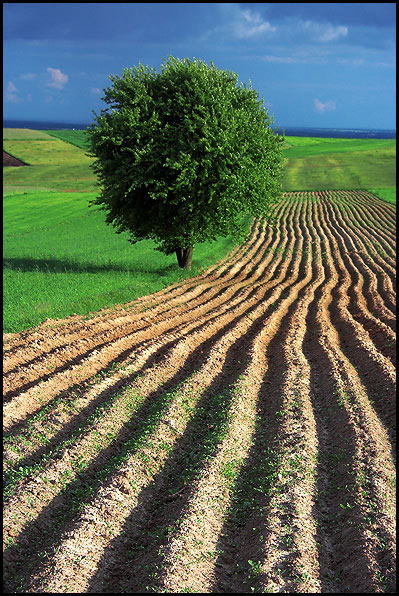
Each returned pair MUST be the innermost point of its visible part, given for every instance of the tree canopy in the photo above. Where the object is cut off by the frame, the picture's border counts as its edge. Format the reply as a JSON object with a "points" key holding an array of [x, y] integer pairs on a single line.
{"points": [[182, 154]]}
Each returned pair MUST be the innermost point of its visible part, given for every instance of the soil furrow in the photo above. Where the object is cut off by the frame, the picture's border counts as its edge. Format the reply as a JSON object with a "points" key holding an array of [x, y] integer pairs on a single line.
{"points": [[97, 356], [267, 538], [356, 345], [377, 261], [363, 245], [191, 542], [153, 553], [236, 331], [380, 217], [67, 332], [384, 335], [376, 204], [217, 327], [377, 291], [384, 247], [110, 329], [233, 432], [377, 257], [378, 278], [340, 510], [154, 353]]}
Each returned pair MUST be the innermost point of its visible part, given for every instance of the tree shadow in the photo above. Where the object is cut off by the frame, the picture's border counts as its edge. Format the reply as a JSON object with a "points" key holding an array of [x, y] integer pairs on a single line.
{"points": [[69, 266]]}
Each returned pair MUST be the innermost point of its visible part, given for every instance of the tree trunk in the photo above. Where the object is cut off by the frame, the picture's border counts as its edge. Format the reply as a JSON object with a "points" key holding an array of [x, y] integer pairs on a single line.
{"points": [[185, 257]]}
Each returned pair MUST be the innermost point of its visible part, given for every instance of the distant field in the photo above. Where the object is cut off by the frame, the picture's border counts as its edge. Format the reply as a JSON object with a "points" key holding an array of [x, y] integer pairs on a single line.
{"points": [[304, 146], [312, 163], [310, 141], [75, 137], [317, 164], [55, 165], [23, 134]]}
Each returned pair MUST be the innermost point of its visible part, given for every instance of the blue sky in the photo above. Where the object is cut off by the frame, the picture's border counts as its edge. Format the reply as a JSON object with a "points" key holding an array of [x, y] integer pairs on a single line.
{"points": [[314, 64]]}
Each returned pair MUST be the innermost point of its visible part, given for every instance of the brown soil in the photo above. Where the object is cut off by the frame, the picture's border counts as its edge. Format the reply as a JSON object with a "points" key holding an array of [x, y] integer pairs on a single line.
{"points": [[10, 160], [231, 433]]}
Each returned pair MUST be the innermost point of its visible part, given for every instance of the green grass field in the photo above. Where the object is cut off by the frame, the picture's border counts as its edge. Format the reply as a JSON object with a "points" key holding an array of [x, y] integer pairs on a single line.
{"points": [[61, 258], [327, 164], [55, 164], [75, 137], [387, 194]]}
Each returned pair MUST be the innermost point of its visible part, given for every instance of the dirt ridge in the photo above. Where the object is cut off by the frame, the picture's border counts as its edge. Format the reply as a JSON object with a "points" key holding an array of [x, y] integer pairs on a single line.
{"points": [[231, 433]]}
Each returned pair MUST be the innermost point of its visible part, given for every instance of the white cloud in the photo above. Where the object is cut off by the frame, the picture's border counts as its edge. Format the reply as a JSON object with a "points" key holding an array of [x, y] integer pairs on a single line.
{"points": [[281, 59], [328, 106], [28, 76], [249, 24], [385, 64], [352, 61], [324, 31], [12, 93], [95, 90], [238, 23], [11, 88], [58, 79], [333, 33]]}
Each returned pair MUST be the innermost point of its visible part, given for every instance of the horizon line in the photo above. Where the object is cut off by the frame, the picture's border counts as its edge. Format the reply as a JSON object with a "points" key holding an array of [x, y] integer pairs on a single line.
{"points": [[34, 120]]}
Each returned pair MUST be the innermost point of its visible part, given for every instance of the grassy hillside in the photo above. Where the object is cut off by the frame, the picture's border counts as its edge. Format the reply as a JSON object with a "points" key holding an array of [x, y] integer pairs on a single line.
{"points": [[61, 259], [387, 194], [75, 137], [54, 164], [24, 134], [321, 164]]}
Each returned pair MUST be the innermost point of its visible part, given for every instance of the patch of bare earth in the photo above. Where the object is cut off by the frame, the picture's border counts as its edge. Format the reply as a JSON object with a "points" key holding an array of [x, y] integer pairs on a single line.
{"points": [[10, 160], [231, 433]]}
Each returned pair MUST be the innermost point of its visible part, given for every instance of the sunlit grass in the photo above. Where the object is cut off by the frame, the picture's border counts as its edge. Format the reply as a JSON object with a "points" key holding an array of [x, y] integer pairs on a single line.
{"points": [[78, 138], [388, 194], [53, 164], [46, 152], [20, 134], [61, 258], [332, 164], [305, 146]]}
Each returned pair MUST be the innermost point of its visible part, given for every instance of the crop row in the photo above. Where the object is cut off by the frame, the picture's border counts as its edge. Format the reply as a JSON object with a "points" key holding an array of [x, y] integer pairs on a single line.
{"points": [[231, 433]]}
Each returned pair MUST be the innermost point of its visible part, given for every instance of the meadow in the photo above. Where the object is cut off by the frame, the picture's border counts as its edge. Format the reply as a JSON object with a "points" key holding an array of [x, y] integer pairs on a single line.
{"points": [[321, 164], [59, 256]]}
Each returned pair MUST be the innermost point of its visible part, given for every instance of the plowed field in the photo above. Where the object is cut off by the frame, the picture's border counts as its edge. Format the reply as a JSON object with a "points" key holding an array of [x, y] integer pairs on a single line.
{"points": [[232, 433]]}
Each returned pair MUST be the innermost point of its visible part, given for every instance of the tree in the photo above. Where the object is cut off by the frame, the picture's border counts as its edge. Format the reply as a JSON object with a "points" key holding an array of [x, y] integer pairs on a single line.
{"points": [[182, 154]]}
